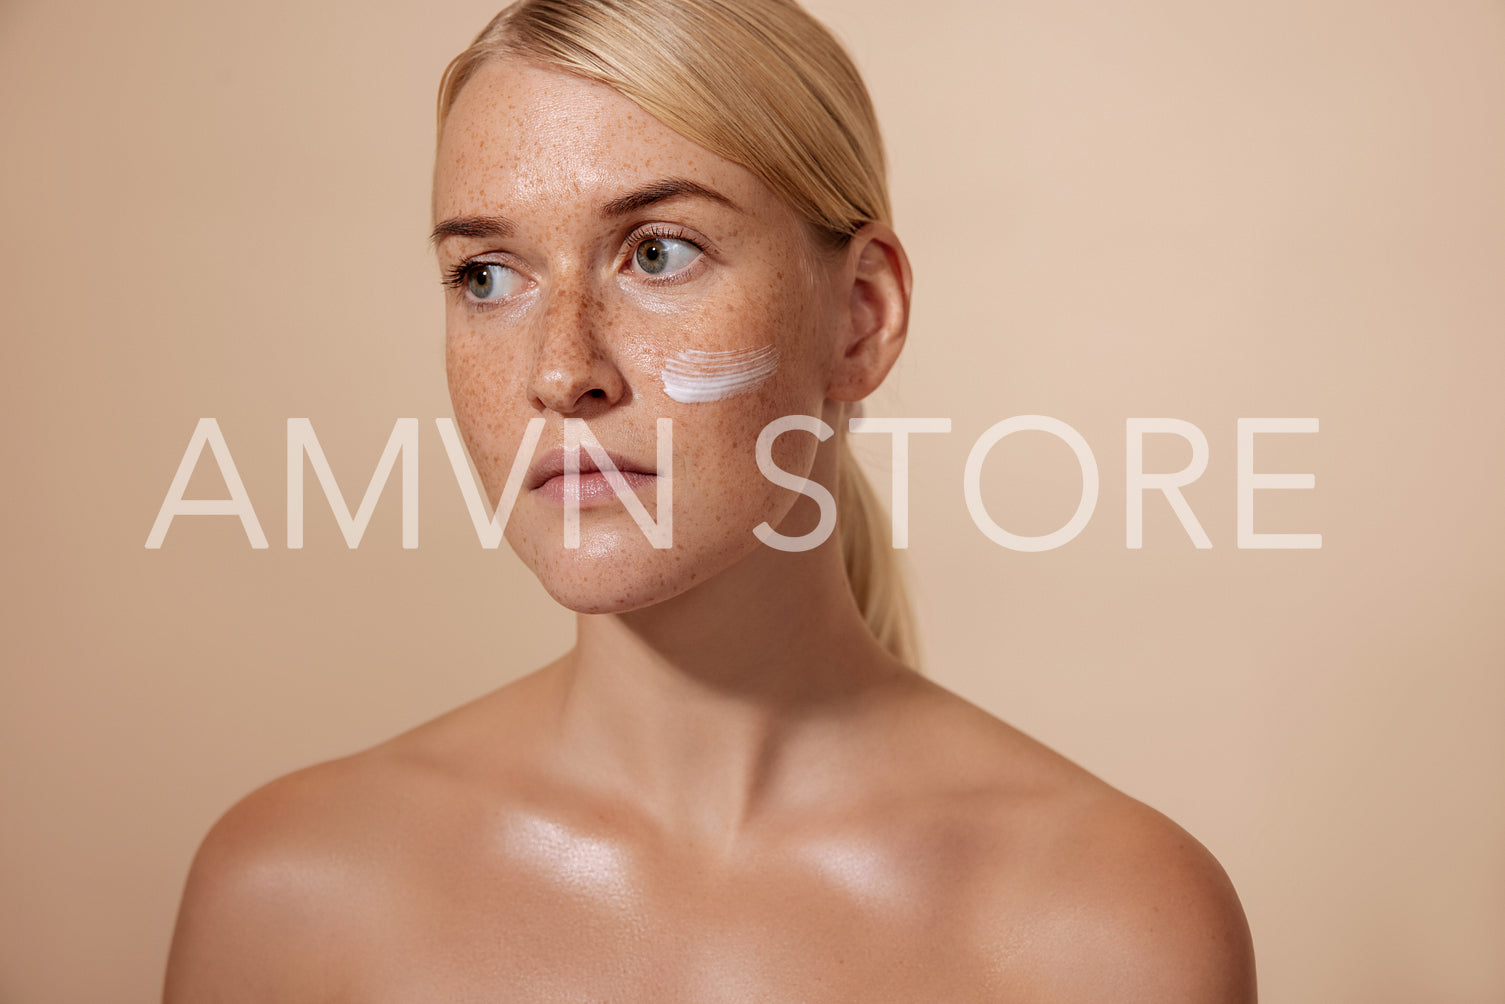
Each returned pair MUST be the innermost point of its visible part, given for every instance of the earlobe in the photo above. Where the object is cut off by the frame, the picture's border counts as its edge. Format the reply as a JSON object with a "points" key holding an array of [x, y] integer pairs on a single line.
{"points": [[876, 316]]}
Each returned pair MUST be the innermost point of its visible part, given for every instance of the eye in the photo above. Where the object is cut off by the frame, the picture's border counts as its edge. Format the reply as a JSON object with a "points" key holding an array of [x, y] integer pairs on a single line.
{"points": [[664, 255], [484, 280], [488, 281]]}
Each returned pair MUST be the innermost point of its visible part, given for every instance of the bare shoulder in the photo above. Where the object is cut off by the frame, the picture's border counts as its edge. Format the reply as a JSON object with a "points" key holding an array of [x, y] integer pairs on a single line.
{"points": [[275, 886], [302, 882], [1081, 893], [1144, 911]]}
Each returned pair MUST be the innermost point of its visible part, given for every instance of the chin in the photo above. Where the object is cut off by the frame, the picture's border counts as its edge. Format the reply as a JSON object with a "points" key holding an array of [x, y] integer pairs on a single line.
{"points": [[586, 601], [617, 577]]}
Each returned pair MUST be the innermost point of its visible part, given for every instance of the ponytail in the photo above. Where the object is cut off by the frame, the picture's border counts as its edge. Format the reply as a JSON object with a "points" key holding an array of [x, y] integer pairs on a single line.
{"points": [[872, 565]]}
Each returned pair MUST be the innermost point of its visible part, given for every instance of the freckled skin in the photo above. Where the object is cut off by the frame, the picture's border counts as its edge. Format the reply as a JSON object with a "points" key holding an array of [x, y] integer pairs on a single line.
{"points": [[726, 790], [588, 337]]}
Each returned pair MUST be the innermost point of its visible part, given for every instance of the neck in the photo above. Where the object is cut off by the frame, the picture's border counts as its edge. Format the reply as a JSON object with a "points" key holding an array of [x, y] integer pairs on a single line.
{"points": [[692, 708]]}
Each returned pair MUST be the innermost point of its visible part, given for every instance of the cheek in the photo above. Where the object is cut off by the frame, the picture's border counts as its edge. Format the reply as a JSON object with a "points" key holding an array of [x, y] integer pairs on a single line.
{"points": [[757, 350], [774, 371], [484, 391], [716, 449]]}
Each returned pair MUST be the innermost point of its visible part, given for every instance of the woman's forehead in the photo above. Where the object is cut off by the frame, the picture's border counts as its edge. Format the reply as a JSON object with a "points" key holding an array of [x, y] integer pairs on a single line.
{"points": [[520, 133]]}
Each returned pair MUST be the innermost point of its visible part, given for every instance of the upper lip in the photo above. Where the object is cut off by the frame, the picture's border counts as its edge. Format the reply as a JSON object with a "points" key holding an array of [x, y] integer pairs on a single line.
{"points": [[551, 465]]}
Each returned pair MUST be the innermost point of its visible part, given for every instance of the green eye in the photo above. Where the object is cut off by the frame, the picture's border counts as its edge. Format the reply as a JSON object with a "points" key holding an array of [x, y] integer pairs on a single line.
{"points": [[484, 281], [665, 255]]}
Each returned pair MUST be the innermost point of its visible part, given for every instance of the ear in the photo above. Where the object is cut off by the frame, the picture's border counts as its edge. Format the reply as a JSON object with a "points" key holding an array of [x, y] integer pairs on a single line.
{"points": [[875, 317]]}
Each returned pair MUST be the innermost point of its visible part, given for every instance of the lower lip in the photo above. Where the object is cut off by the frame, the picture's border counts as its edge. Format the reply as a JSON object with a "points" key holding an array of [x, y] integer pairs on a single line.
{"points": [[594, 488]]}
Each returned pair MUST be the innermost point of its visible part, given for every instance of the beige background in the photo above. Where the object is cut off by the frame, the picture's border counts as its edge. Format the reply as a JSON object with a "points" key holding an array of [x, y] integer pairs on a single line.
{"points": [[1187, 209]]}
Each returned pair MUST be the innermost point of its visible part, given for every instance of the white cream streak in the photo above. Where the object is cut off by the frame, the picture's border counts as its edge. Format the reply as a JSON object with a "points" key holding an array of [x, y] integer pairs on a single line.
{"points": [[694, 375]]}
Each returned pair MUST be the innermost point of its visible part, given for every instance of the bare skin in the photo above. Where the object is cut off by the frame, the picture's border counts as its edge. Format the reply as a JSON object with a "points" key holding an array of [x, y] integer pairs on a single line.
{"points": [[726, 791]]}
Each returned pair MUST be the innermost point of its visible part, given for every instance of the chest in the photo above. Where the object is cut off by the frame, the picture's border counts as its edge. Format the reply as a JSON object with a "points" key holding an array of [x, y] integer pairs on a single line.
{"points": [[597, 933]]}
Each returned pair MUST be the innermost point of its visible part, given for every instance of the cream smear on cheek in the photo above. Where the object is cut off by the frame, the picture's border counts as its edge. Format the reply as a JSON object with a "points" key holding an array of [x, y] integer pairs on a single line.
{"points": [[694, 375]]}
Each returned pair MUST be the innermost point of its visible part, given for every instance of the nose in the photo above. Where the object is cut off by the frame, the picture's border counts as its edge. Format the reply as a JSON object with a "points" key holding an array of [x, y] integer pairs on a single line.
{"points": [[573, 368]]}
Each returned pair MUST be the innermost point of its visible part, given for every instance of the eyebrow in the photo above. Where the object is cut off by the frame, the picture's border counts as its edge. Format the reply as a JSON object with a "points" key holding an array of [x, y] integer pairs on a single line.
{"points": [[660, 190], [480, 227]]}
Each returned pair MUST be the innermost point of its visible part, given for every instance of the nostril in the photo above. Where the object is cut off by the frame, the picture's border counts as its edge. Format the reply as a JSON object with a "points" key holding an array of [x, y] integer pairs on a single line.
{"points": [[597, 392]]}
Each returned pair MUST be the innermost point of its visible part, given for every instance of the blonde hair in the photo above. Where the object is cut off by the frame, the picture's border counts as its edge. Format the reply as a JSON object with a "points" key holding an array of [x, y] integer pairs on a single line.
{"points": [[764, 85]]}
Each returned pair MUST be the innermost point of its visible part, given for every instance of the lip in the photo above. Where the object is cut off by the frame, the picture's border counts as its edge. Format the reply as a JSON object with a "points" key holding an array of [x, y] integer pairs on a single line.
{"points": [[546, 476]]}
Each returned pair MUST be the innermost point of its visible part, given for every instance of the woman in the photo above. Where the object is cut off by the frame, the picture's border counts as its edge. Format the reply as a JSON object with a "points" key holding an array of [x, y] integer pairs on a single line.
{"points": [[733, 787]]}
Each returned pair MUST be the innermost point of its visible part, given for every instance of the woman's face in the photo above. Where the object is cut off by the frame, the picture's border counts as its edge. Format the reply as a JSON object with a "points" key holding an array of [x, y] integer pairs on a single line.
{"points": [[605, 268]]}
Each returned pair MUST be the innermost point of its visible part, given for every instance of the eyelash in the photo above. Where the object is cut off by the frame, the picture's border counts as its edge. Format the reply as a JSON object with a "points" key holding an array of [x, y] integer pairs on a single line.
{"points": [[665, 231], [458, 275]]}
